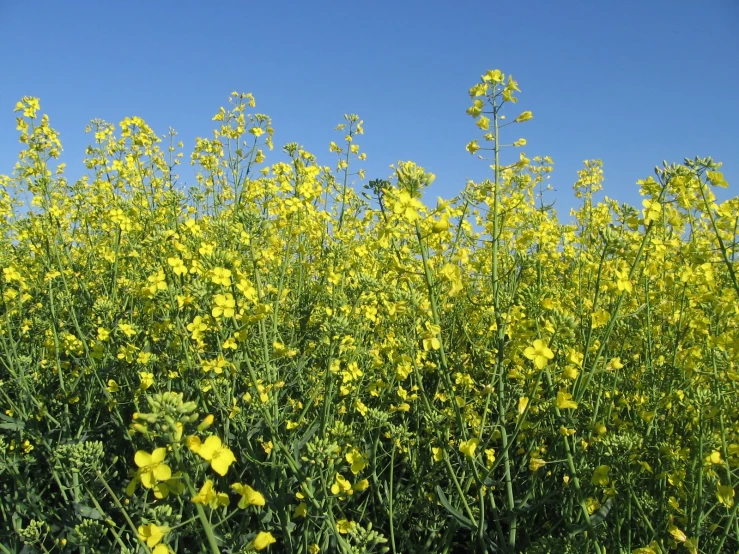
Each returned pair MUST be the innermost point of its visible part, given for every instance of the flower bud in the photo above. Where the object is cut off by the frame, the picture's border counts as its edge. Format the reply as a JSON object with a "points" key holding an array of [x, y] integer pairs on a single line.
{"points": [[207, 422]]}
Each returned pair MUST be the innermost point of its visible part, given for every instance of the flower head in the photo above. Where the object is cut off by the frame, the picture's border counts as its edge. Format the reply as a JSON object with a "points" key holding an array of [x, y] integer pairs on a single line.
{"points": [[249, 497], [263, 540], [151, 468], [539, 353], [214, 451]]}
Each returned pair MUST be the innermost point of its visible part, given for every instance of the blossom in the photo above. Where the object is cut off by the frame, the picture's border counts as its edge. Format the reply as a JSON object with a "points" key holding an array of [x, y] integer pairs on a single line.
{"points": [[212, 450], [223, 305], [622, 281], [208, 496], [355, 458], [565, 402], [301, 510], [600, 476], [151, 468], [407, 207], [249, 497], [343, 526], [263, 540], [341, 485], [539, 353], [536, 464], [221, 276], [725, 495], [468, 447], [483, 123], [152, 533]]}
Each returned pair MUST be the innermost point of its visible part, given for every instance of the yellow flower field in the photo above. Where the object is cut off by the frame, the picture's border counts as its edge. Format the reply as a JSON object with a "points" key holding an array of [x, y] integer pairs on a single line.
{"points": [[274, 361]]}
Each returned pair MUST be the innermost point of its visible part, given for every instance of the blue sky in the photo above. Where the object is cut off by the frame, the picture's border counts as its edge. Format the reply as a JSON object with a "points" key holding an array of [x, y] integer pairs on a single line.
{"points": [[632, 82]]}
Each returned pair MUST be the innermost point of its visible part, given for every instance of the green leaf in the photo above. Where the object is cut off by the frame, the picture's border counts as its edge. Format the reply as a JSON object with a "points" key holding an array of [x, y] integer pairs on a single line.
{"points": [[456, 514], [87, 511], [12, 424]]}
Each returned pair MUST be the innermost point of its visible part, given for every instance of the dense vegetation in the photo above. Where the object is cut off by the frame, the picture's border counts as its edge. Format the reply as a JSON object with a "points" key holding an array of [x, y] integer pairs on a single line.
{"points": [[268, 361]]}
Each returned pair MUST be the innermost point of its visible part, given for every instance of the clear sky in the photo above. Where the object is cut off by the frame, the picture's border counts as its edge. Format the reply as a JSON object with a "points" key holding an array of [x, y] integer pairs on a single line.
{"points": [[632, 82]]}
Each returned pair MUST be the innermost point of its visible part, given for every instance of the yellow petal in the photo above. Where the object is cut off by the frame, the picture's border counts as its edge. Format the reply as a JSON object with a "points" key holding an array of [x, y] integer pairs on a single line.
{"points": [[162, 472], [193, 443], [147, 479], [158, 455], [263, 540], [142, 458], [209, 447], [252, 497], [222, 460]]}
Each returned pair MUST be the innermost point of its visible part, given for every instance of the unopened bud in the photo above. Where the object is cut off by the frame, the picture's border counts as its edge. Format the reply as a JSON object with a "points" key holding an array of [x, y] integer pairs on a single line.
{"points": [[207, 422]]}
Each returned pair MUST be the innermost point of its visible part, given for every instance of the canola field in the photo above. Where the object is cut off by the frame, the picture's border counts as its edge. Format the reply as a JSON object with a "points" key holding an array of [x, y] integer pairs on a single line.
{"points": [[290, 357]]}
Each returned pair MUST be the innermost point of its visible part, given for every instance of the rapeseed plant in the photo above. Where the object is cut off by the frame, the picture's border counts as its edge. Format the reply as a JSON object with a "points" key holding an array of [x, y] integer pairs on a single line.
{"points": [[386, 376]]}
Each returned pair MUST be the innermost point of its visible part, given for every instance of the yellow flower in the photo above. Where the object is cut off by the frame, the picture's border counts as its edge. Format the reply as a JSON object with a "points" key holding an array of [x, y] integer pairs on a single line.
{"points": [[440, 225], [476, 108], [355, 458], [360, 486], [147, 380], [472, 146], [600, 476], [221, 276], [407, 207], [523, 402], [570, 372], [490, 457], [208, 496], [177, 265], [263, 540], [438, 453], [207, 422], [622, 281], [483, 123], [223, 305], [525, 116], [343, 526], [714, 458], [341, 485], [651, 210], [496, 76], [725, 495], [301, 510], [676, 533], [173, 485], [249, 497], [565, 402], [536, 464], [151, 468], [152, 533], [468, 447], [212, 450], [361, 407], [539, 353]]}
